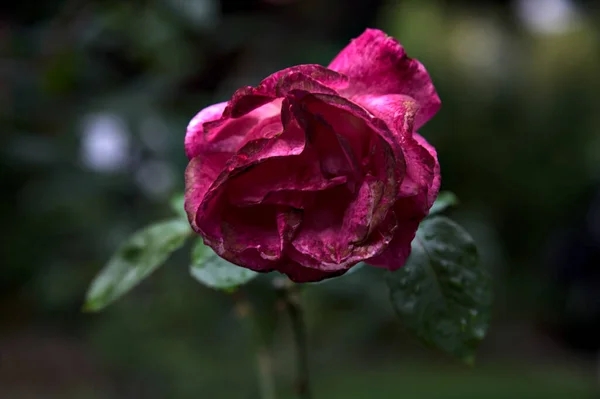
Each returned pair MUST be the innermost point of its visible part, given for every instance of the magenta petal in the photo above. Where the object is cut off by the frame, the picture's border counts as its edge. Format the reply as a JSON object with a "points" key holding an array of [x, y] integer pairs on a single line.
{"points": [[367, 145], [337, 232], [359, 214], [319, 236], [373, 123], [422, 179], [335, 147], [347, 123], [254, 238], [398, 250], [299, 81], [248, 239], [199, 176], [230, 134], [288, 221], [419, 190], [277, 175], [377, 64], [396, 110], [248, 98], [310, 262], [290, 198], [331, 153], [436, 181], [312, 78], [319, 73], [194, 137], [422, 167], [300, 274], [267, 128], [372, 142], [224, 136], [243, 230], [368, 230], [290, 142]]}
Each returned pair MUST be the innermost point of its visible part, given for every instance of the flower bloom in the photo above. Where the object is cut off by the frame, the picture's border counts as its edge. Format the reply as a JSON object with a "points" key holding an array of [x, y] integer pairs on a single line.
{"points": [[317, 168]]}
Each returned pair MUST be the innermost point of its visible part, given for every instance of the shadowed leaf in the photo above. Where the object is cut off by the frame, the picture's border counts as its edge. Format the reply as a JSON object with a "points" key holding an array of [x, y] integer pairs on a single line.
{"points": [[445, 200], [215, 272], [139, 256], [442, 294]]}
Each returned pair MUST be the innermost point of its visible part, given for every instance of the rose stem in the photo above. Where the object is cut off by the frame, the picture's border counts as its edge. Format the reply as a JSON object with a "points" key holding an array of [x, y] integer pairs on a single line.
{"points": [[292, 302], [266, 382], [265, 373]]}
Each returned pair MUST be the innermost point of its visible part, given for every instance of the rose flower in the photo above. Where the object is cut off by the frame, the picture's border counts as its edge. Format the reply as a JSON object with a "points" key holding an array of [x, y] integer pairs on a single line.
{"points": [[317, 168]]}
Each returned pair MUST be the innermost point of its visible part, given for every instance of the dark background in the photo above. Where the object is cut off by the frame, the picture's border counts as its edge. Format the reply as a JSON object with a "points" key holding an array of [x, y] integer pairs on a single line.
{"points": [[95, 97]]}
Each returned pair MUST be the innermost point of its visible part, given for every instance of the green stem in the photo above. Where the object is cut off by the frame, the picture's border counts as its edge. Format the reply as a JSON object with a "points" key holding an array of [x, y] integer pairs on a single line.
{"points": [[294, 309], [265, 373], [266, 382]]}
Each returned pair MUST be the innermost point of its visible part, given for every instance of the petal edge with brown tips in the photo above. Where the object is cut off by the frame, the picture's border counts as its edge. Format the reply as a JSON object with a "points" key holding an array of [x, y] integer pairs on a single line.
{"points": [[377, 64]]}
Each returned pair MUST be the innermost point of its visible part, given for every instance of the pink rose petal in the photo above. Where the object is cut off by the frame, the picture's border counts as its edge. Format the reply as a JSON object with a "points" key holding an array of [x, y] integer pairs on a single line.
{"points": [[377, 64], [422, 168], [336, 233], [249, 98], [300, 274], [433, 186], [199, 176]]}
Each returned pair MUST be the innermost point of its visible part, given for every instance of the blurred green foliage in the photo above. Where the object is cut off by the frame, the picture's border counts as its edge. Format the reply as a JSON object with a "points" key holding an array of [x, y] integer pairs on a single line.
{"points": [[95, 98]]}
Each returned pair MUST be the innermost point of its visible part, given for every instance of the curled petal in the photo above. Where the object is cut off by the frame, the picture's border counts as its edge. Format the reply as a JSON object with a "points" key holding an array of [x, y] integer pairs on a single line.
{"points": [[267, 128], [221, 128], [224, 136], [319, 236], [330, 152], [313, 103], [398, 250], [396, 110], [288, 143], [433, 188], [279, 175], [214, 218], [299, 81], [248, 98], [421, 188], [321, 74], [229, 135], [249, 239], [337, 232], [422, 168], [368, 139], [422, 180], [194, 137], [358, 219], [300, 274], [288, 221], [377, 64], [199, 175], [254, 238]]}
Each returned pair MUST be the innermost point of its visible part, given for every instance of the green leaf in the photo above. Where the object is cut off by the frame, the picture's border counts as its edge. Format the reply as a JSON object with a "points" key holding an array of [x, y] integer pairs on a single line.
{"points": [[139, 256], [215, 272], [442, 294], [176, 203], [445, 200]]}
